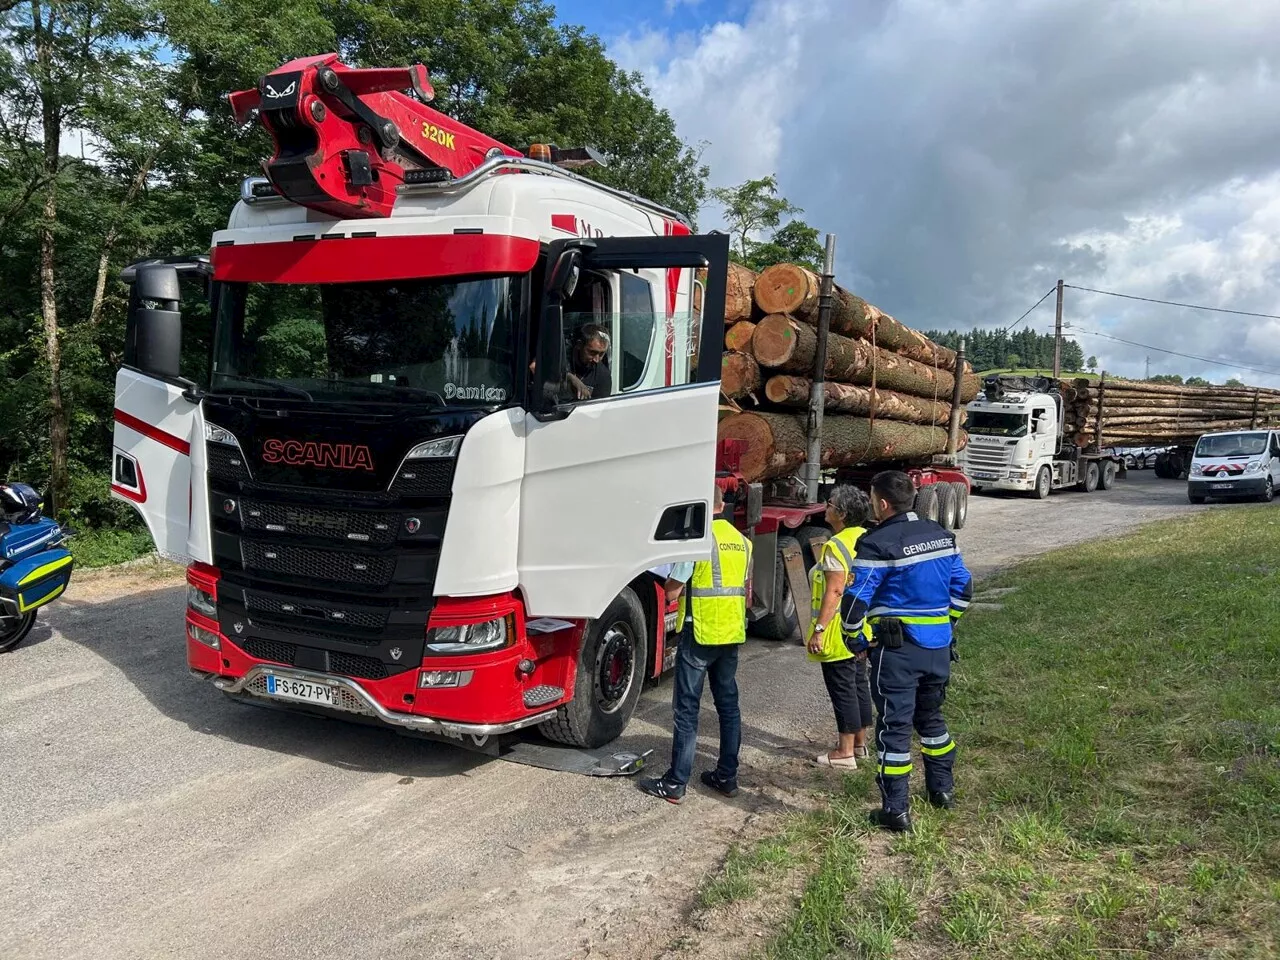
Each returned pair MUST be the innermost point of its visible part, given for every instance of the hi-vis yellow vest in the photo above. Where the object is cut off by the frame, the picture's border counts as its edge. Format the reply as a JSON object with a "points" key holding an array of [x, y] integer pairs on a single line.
{"points": [[842, 546], [717, 591]]}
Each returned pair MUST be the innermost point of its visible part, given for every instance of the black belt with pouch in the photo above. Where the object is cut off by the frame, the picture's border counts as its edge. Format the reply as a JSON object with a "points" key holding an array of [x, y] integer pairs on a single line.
{"points": [[888, 632]]}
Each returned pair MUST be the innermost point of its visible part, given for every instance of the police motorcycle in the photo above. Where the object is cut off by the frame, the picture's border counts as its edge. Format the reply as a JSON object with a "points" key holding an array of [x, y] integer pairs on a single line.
{"points": [[35, 565]]}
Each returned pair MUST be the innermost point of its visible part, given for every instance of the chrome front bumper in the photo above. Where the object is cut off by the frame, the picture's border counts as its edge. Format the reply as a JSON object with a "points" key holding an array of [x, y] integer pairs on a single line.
{"points": [[353, 698]]}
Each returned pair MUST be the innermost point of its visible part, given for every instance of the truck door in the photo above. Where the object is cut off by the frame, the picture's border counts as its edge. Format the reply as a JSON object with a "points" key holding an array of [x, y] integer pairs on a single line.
{"points": [[618, 484], [152, 440]]}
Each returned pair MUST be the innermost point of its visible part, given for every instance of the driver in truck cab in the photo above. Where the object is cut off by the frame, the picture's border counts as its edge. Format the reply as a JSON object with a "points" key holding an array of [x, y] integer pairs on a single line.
{"points": [[590, 364]]}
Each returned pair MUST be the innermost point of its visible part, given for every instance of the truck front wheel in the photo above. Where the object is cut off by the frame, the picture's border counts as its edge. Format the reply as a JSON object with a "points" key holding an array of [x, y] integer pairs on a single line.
{"points": [[610, 675], [1044, 483], [781, 623]]}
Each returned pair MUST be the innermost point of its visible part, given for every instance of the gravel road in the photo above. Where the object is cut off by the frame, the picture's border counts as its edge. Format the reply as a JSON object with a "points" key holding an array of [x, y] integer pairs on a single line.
{"points": [[144, 815]]}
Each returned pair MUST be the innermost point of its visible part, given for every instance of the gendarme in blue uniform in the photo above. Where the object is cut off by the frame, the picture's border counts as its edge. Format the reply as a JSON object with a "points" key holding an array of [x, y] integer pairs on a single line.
{"points": [[909, 569]]}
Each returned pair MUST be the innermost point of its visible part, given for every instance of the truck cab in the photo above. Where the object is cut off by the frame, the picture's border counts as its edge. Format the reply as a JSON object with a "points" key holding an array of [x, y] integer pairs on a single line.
{"points": [[397, 501], [1012, 441], [1016, 442]]}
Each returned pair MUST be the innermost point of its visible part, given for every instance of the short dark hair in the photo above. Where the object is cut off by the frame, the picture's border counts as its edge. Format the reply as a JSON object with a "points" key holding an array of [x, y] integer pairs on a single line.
{"points": [[590, 332], [896, 488], [853, 505]]}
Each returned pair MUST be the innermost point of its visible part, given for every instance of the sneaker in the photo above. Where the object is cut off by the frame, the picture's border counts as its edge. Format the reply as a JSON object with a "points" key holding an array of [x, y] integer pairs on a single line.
{"points": [[942, 799], [663, 789], [893, 822], [728, 788]]}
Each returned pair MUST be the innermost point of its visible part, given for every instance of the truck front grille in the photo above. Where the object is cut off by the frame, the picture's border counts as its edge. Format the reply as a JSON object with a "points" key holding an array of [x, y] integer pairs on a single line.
{"points": [[296, 612], [225, 463], [424, 478], [988, 457], [312, 564], [344, 525], [346, 664]]}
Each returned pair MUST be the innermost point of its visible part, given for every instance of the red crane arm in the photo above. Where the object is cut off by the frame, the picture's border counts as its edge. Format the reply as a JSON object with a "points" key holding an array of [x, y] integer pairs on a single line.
{"points": [[345, 138]]}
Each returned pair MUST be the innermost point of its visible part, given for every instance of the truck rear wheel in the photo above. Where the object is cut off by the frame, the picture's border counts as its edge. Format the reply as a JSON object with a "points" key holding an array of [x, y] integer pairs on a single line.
{"points": [[946, 505], [1044, 483], [1090, 481], [610, 675], [1108, 477], [782, 623], [962, 504], [927, 502]]}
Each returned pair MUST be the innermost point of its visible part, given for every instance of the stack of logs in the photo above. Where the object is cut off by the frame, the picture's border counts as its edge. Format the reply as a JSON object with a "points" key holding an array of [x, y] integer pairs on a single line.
{"points": [[888, 388], [1129, 413]]}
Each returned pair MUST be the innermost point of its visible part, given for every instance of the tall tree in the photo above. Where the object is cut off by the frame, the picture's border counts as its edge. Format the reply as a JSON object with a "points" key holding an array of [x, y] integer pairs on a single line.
{"points": [[794, 242], [751, 207]]}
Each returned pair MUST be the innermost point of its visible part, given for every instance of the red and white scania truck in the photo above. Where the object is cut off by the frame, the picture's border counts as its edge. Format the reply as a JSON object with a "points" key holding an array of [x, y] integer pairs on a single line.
{"points": [[394, 505]]}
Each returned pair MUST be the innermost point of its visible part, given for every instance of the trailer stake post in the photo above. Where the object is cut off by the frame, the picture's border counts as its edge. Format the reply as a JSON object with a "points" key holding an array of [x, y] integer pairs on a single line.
{"points": [[817, 392], [953, 424]]}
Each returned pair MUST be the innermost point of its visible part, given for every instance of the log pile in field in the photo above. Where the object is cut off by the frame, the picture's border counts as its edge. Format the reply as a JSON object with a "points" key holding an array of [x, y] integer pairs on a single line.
{"points": [[1133, 413], [887, 390]]}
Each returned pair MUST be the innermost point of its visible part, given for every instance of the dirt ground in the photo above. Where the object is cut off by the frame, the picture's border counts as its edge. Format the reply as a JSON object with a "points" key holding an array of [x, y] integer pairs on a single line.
{"points": [[144, 815]]}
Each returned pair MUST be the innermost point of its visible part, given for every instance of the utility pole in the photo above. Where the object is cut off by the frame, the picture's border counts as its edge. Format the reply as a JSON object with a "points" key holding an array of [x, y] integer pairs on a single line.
{"points": [[812, 470], [1057, 337], [1148, 376]]}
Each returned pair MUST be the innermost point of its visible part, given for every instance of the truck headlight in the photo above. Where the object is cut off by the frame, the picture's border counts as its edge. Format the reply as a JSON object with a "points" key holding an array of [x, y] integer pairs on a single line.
{"points": [[201, 601], [1197, 470], [471, 637], [1253, 466]]}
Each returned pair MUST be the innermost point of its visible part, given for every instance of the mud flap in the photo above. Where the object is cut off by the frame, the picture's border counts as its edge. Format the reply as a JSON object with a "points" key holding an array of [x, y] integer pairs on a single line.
{"points": [[606, 761], [793, 566]]}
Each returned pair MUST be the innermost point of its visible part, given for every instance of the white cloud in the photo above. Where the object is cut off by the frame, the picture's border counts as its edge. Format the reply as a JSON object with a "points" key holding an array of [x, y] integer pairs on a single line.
{"points": [[969, 152]]}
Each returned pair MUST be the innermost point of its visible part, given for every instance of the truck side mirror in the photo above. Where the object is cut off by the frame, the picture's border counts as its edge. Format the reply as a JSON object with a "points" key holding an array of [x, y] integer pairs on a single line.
{"points": [[154, 326], [562, 280]]}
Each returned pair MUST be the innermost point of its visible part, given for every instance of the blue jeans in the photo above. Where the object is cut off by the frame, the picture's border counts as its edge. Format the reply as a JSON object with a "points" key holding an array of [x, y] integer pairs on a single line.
{"points": [[693, 663]]}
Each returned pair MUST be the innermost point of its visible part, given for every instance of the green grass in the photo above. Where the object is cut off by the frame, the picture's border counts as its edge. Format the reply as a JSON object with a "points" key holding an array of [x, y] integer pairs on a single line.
{"points": [[104, 547], [1118, 773]]}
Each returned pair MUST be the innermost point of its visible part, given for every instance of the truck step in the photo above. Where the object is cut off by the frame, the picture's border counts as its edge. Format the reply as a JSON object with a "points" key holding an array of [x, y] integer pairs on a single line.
{"points": [[542, 695]]}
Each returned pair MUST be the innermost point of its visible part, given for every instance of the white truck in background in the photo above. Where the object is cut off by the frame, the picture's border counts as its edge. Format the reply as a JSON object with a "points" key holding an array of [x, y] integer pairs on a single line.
{"points": [[1016, 442]]}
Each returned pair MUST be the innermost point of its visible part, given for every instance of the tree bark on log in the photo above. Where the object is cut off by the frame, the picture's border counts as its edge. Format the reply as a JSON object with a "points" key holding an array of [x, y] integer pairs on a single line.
{"points": [[739, 375], [790, 288], [1090, 388], [776, 443], [845, 398], [1135, 402], [738, 337], [783, 343], [738, 302]]}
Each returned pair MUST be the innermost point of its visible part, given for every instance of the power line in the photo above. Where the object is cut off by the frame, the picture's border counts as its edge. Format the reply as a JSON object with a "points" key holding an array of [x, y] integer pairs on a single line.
{"points": [[1052, 290], [1187, 356], [1171, 303]]}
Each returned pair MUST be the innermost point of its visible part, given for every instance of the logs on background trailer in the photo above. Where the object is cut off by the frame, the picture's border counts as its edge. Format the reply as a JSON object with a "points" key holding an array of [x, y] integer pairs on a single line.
{"points": [[782, 343], [1129, 412], [776, 445], [788, 391], [795, 290]]}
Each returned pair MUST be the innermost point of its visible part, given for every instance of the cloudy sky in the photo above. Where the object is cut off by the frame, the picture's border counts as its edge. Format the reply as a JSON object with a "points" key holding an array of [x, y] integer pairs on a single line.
{"points": [[968, 153]]}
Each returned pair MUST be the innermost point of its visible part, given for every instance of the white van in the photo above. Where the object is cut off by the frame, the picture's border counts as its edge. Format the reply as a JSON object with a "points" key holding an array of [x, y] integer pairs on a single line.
{"points": [[1241, 463]]}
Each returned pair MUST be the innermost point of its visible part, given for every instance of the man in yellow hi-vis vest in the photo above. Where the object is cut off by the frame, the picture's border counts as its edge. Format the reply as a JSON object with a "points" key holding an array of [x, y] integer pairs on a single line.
{"points": [[712, 624]]}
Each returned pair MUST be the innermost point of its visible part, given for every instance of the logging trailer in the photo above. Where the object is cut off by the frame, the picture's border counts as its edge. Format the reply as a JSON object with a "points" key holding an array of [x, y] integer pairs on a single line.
{"points": [[784, 517]]}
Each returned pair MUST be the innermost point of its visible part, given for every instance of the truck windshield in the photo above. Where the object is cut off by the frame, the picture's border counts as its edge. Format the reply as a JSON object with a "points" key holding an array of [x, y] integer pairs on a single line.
{"points": [[1232, 445], [443, 342], [997, 424]]}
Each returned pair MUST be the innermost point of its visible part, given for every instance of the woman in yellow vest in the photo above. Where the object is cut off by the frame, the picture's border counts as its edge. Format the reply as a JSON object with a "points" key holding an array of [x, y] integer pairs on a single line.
{"points": [[843, 670]]}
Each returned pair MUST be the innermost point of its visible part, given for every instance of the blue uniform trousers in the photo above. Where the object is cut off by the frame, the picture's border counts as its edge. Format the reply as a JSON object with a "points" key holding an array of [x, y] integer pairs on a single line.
{"points": [[908, 685]]}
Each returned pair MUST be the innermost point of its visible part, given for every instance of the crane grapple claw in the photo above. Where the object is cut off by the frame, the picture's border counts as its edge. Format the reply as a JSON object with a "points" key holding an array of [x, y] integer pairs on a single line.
{"points": [[345, 138]]}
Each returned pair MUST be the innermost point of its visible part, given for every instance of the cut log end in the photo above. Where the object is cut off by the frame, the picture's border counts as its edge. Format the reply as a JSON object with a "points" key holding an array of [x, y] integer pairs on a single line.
{"points": [[787, 288], [739, 375], [738, 337]]}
